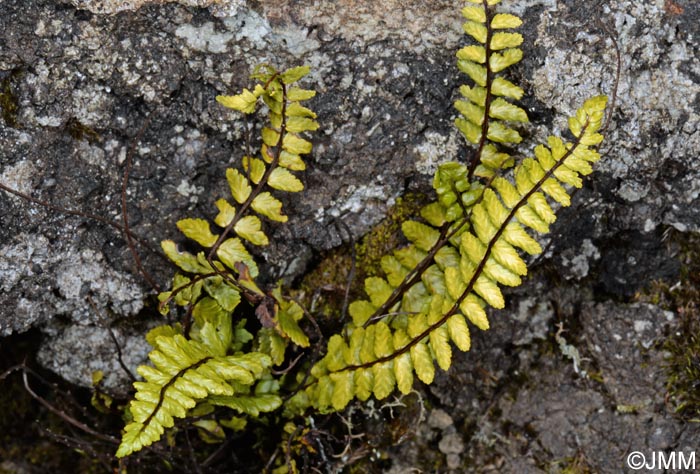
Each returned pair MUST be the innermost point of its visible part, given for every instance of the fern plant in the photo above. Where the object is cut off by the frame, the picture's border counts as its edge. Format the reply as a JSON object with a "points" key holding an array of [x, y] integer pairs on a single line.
{"points": [[464, 247], [211, 358]]}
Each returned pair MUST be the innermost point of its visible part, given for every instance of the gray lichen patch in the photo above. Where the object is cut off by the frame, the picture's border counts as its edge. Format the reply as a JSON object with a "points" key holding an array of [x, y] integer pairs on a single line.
{"points": [[86, 273], [204, 38], [577, 262], [655, 127], [19, 176], [416, 25], [75, 352], [80, 276], [435, 150], [217, 7], [534, 317]]}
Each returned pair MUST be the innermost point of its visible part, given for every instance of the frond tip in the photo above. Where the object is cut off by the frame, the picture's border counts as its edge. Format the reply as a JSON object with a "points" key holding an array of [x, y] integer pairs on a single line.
{"points": [[485, 110], [185, 372]]}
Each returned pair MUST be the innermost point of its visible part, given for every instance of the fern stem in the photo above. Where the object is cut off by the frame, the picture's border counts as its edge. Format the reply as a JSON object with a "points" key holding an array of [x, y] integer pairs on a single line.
{"points": [[180, 288], [501, 229], [415, 274]]}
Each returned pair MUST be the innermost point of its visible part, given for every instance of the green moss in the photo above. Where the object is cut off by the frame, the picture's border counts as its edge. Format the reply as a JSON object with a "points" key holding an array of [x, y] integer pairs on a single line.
{"points": [[683, 345], [572, 465], [324, 287], [683, 367], [386, 236], [81, 132], [9, 103]]}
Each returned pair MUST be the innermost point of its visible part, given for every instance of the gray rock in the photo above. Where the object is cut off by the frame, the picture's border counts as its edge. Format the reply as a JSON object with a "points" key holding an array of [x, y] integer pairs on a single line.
{"points": [[76, 352], [620, 340], [440, 419], [61, 280], [532, 320], [451, 444]]}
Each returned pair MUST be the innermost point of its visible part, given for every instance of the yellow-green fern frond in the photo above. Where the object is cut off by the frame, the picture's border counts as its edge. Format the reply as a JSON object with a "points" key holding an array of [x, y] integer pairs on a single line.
{"points": [[184, 373], [451, 272], [253, 187], [486, 110]]}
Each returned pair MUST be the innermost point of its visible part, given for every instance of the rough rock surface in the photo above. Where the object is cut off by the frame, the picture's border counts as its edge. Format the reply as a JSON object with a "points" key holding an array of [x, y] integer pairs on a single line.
{"points": [[531, 408], [89, 78]]}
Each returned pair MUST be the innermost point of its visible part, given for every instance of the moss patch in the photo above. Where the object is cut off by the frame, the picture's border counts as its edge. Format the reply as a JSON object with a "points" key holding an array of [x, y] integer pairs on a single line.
{"points": [[78, 131], [9, 103], [386, 236], [323, 289], [683, 345]]}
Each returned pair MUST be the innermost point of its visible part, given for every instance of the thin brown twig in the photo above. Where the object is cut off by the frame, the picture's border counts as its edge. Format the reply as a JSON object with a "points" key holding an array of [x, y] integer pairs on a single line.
{"points": [[77, 444], [476, 157], [270, 461], [212, 457], [187, 321], [86, 215], [307, 374], [10, 370], [288, 450], [314, 353], [289, 367], [193, 458], [120, 359], [64, 416], [351, 273]]}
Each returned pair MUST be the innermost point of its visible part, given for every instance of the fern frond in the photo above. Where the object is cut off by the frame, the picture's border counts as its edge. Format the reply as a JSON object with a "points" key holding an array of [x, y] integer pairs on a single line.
{"points": [[227, 270], [197, 366], [485, 111], [184, 373], [393, 339], [281, 153]]}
